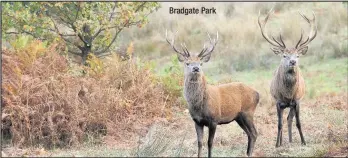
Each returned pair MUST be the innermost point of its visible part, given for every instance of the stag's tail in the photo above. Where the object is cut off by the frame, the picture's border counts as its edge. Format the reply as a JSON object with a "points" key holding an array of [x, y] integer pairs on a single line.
{"points": [[257, 98]]}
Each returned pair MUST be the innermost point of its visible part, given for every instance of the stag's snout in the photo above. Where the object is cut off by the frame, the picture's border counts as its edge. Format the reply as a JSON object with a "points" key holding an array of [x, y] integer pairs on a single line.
{"points": [[195, 69], [293, 63]]}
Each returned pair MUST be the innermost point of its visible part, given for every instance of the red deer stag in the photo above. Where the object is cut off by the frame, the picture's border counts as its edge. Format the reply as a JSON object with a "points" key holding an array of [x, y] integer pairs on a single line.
{"points": [[215, 105], [288, 86]]}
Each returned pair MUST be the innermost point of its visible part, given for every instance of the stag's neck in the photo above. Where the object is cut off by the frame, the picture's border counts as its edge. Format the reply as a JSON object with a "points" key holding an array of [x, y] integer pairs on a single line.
{"points": [[288, 80], [195, 91]]}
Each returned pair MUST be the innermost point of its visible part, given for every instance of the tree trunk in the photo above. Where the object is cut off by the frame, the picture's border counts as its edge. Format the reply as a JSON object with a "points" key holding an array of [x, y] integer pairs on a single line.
{"points": [[87, 40], [85, 51]]}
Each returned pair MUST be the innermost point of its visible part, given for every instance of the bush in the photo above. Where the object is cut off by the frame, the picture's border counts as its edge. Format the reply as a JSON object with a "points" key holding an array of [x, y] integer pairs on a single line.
{"points": [[48, 105], [172, 78]]}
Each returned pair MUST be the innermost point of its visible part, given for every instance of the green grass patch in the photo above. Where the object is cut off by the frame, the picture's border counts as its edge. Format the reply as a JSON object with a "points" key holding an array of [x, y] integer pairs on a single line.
{"points": [[326, 76]]}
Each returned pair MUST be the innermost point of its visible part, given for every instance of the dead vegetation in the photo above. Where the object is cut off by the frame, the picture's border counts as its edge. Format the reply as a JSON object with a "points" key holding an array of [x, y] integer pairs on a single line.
{"points": [[44, 104], [47, 100]]}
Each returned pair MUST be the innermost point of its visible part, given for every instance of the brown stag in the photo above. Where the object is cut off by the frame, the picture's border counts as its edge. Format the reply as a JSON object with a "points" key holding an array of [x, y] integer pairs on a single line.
{"points": [[214, 105], [288, 86]]}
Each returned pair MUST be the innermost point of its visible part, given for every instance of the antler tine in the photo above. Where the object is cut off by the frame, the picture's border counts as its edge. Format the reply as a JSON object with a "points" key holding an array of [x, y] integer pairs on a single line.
{"points": [[184, 48], [213, 44], [217, 37], [277, 41], [281, 40], [313, 30], [172, 43], [300, 39], [203, 51], [281, 37], [262, 25], [281, 43]]}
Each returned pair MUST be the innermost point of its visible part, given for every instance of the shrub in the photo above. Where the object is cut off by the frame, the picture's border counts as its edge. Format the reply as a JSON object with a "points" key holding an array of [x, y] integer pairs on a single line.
{"points": [[172, 78], [48, 105]]}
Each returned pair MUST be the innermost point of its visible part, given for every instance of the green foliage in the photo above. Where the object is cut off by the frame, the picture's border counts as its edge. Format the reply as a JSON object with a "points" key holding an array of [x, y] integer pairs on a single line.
{"points": [[81, 25], [96, 66], [23, 41], [28, 49], [172, 77], [20, 42]]}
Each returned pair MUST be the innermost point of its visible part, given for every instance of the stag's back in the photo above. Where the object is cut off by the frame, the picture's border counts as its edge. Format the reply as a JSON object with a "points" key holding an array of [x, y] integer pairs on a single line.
{"points": [[227, 100]]}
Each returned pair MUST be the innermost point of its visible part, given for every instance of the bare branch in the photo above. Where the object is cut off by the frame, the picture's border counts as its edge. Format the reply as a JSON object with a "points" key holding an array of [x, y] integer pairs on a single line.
{"points": [[112, 41], [101, 29], [62, 35], [65, 15], [77, 12], [140, 6], [28, 33], [78, 34], [113, 9], [11, 32], [75, 53], [103, 55]]}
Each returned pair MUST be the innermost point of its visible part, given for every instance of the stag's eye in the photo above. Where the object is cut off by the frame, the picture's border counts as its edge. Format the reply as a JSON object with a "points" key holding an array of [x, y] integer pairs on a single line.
{"points": [[297, 56], [201, 64], [187, 64], [284, 56]]}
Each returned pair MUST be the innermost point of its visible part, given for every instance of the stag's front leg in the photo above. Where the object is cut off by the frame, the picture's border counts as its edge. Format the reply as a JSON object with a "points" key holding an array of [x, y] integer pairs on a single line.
{"points": [[212, 129], [280, 110], [290, 118], [199, 131], [298, 123]]}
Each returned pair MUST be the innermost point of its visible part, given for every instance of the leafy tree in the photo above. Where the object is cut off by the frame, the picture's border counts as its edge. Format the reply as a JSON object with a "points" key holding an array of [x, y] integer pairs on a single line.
{"points": [[86, 27]]}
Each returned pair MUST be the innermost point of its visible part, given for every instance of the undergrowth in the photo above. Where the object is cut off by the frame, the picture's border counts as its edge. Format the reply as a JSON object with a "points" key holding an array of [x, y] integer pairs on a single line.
{"points": [[45, 103]]}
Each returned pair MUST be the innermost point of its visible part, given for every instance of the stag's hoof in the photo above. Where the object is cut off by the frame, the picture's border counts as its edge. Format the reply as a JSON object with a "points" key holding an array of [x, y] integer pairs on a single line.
{"points": [[303, 143], [278, 145]]}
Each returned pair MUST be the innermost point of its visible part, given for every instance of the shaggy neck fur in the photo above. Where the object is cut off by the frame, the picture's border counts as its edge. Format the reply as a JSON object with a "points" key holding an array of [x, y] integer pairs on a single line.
{"points": [[194, 90], [287, 81]]}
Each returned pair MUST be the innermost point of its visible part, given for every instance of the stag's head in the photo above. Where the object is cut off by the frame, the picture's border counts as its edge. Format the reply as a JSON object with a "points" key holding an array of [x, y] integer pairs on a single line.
{"points": [[291, 55], [193, 61]]}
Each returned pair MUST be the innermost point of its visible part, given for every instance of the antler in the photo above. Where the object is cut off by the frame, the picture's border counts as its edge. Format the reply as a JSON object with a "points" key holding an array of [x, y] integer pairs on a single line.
{"points": [[213, 44], [183, 46], [312, 34], [273, 41]]}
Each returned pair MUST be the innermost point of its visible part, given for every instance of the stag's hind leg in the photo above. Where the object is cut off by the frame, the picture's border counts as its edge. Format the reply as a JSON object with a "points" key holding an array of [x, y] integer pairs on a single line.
{"points": [[246, 123], [241, 123], [212, 129], [251, 127]]}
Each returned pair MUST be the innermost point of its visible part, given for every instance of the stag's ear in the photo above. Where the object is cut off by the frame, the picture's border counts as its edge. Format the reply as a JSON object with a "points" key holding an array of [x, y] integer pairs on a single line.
{"points": [[302, 50], [277, 50]]}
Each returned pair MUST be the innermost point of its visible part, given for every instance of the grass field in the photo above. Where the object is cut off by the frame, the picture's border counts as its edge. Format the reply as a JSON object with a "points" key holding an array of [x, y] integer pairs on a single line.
{"points": [[323, 115], [153, 125]]}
